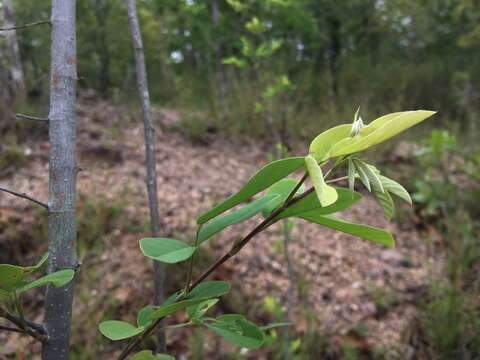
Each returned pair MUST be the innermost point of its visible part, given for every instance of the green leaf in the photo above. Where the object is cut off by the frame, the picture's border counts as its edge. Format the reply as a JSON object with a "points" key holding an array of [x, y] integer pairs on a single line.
{"points": [[233, 60], [57, 279], [119, 330], [209, 289], [363, 175], [265, 177], [165, 310], [197, 311], [282, 188], [386, 202], [221, 222], [321, 145], [166, 250], [239, 332], [230, 317], [149, 355], [395, 188], [346, 199], [13, 276], [378, 131], [351, 175], [143, 316], [327, 195], [366, 232]]}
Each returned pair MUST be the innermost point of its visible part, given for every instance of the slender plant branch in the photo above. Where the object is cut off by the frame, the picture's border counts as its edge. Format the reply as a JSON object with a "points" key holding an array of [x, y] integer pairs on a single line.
{"points": [[337, 180], [237, 246], [27, 327], [31, 118], [11, 329], [26, 26], [26, 197]]}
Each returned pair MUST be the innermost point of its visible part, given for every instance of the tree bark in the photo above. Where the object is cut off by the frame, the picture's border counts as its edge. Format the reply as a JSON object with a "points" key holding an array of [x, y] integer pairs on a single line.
{"points": [[16, 77], [149, 151], [62, 177]]}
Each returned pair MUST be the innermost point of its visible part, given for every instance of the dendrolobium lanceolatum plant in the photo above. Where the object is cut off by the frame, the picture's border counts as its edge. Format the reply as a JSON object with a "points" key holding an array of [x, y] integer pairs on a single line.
{"points": [[275, 195]]}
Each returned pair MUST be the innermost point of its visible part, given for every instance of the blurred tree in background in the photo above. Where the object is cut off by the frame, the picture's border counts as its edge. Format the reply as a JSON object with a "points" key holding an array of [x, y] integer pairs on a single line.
{"points": [[380, 54]]}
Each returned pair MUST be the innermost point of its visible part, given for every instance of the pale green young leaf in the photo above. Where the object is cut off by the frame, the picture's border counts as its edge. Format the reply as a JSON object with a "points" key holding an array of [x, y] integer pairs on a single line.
{"points": [[320, 146], [372, 175], [351, 175], [149, 355], [327, 195], [378, 131], [219, 223], [268, 175], [57, 279], [119, 330], [346, 199], [395, 188], [197, 311], [366, 232], [239, 332], [363, 175], [166, 250], [386, 202]]}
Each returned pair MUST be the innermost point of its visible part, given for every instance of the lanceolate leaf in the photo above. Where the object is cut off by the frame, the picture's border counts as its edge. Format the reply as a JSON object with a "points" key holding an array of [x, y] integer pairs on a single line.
{"points": [[166, 250], [351, 175], [209, 289], [239, 332], [386, 202], [119, 330], [265, 177], [378, 131], [321, 145], [283, 188], [366, 232], [165, 310], [372, 176], [57, 279], [346, 199], [363, 175], [395, 188], [221, 222], [197, 311], [327, 195]]}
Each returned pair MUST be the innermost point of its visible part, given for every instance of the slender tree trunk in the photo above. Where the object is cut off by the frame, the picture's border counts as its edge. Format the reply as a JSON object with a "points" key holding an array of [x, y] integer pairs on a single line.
{"points": [[17, 81], [149, 151], [63, 171]]}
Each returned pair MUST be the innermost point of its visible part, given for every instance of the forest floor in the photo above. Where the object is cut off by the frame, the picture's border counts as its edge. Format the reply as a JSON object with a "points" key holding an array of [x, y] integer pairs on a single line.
{"points": [[354, 292]]}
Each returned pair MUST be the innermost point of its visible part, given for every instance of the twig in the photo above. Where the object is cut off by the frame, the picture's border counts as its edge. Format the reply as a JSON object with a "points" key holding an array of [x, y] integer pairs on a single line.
{"points": [[27, 327], [25, 196], [11, 329], [269, 220], [26, 26], [30, 118]]}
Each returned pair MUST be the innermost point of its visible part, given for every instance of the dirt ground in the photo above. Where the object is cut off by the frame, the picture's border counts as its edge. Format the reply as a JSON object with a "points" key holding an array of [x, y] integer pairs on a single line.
{"points": [[346, 284]]}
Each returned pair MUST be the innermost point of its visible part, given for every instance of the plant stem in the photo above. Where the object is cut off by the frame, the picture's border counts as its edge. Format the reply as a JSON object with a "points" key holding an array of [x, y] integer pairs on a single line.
{"points": [[269, 220]]}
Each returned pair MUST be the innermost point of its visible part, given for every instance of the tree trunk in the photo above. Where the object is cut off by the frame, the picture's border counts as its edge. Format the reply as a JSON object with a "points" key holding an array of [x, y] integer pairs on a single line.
{"points": [[149, 151], [62, 178], [16, 77]]}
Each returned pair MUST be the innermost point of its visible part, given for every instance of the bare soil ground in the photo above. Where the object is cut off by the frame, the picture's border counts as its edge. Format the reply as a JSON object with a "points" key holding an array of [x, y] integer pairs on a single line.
{"points": [[346, 283]]}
